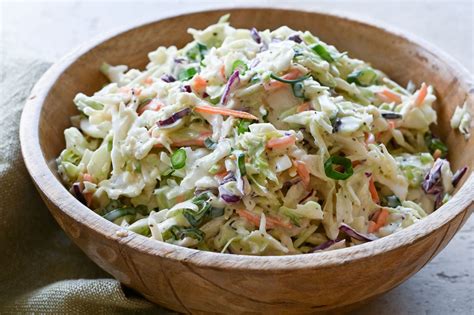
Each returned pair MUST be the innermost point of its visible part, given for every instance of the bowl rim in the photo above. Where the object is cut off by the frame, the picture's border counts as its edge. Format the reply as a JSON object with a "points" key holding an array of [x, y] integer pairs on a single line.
{"points": [[57, 194]]}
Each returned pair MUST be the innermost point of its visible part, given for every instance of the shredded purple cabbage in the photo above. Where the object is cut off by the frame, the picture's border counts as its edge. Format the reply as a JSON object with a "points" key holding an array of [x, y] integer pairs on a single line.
{"points": [[233, 80], [354, 234], [226, 195], [296, 38], [186, 88], [230, 177], [168, 78], [179, 60], [432, 182], [256, 37], [174, 118], [458, 175], [326, 245], [229, 198], [439, 200], [76, 187]]}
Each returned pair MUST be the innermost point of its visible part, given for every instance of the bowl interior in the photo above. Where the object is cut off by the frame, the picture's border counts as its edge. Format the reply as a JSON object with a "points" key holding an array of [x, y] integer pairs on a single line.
{"points": [[399, 57]]}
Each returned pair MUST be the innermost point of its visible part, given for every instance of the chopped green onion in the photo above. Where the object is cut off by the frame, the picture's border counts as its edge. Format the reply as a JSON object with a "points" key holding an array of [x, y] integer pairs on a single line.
{"points": [[195, 218], [364, 77], [137, 167], [273, 76], [168, 172], [140, 227], [298, 52], [239, 65], [255, 79], [322, 52], [298, 89], [109, 145], [214, 101], [241, 164], [338, 160], [187, 74], [180, 233], [211, 145], [178, 159], [434, 144], [117, 213], [197, 52], [438, 144], [243, 126], [426, 158]]}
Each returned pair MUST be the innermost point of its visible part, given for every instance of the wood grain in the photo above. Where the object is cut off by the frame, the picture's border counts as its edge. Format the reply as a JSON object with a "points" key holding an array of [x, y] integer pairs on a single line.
{"points": [[192, 281]]}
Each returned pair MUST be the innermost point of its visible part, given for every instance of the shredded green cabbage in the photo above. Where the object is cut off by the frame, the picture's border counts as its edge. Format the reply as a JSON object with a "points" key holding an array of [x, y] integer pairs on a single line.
{"points": [[260, 119]]}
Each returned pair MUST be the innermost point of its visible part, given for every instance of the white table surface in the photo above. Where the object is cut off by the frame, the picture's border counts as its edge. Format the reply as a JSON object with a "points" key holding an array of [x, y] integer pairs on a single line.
{"points": [[48, 29]]}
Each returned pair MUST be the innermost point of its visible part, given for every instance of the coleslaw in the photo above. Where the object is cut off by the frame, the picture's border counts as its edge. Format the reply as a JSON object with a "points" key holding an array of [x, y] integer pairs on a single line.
{"points": [[256, 142]]}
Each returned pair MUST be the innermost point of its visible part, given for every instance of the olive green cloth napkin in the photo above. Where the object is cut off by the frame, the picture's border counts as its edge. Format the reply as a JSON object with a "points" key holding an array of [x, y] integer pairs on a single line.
{"points": [[41, 270]]}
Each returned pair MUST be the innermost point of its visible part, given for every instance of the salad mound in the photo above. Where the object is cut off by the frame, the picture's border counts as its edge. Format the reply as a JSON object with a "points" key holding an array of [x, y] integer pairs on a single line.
{"points": [[256, 142]]}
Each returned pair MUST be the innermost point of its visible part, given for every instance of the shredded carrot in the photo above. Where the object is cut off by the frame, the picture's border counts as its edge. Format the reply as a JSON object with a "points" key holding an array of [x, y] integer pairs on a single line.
{"points": [[222, 174], [88, 178], [373, 191], [88, 198], [197, 142], [437, 154], [356, 163], [303, 172], [274, 84], [148, 81], [293, 74], [153, 105], [421, 94], [372, 227], [303, 107], [271, 222], [281, 143], [137, 91], [389, 96], [222, 71], [180, 198], [382, 218], [205, 109], [378, 220], [199, 84]]}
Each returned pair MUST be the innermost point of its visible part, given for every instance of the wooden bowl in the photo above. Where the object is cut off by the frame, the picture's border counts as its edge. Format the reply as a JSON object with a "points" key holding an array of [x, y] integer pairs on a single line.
{"points": [[194, 281]]}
